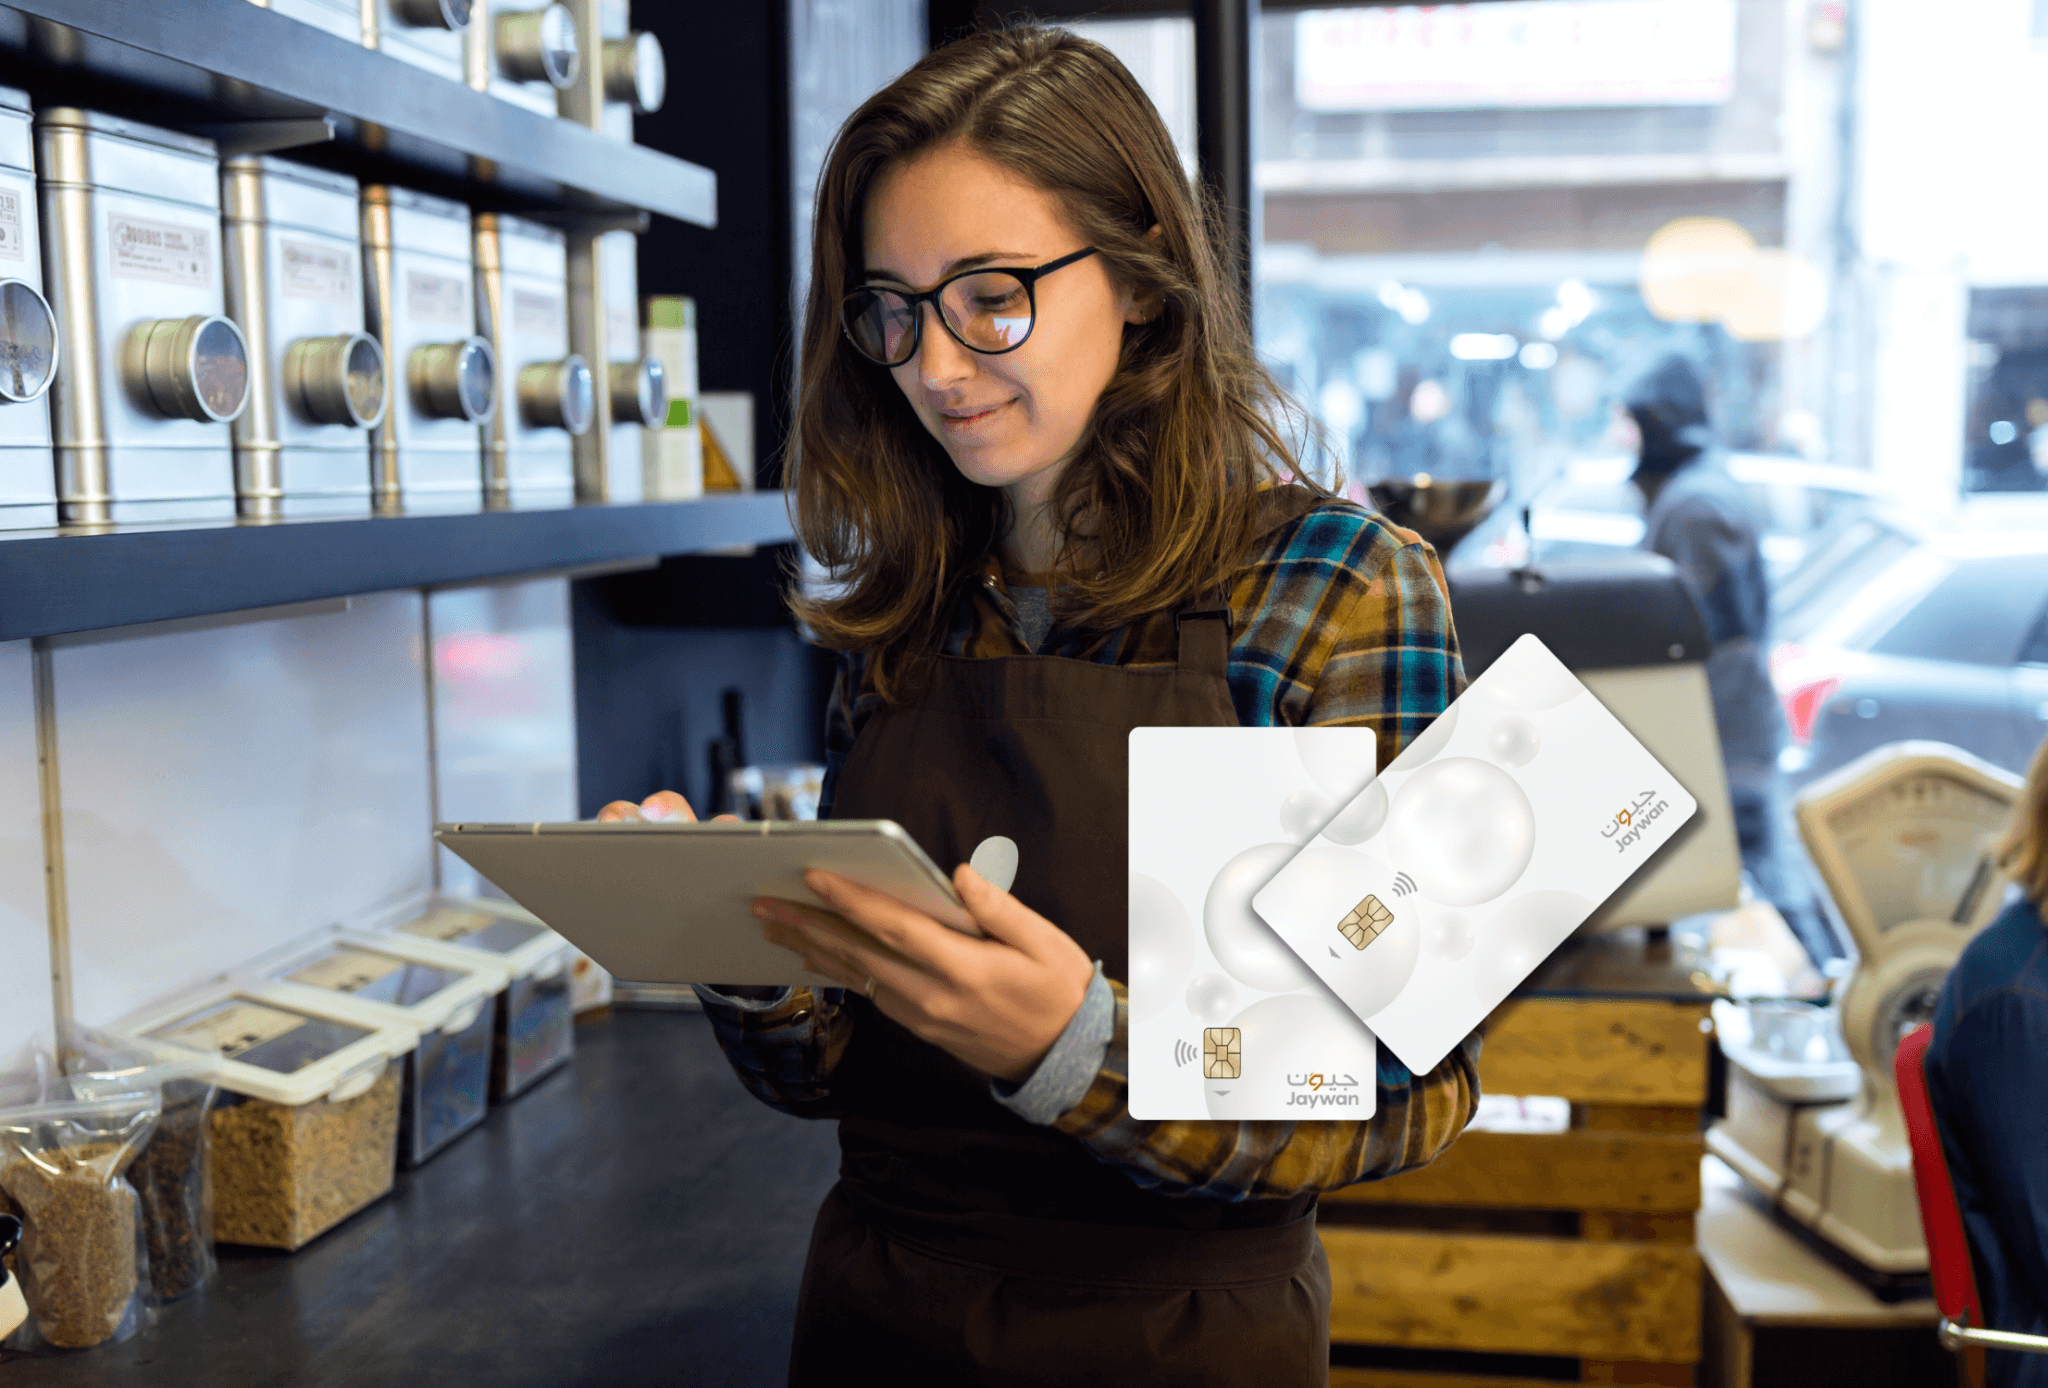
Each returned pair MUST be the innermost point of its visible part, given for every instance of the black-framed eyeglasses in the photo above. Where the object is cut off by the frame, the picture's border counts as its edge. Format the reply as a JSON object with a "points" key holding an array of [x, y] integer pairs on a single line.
{"points": [[989, 311]]}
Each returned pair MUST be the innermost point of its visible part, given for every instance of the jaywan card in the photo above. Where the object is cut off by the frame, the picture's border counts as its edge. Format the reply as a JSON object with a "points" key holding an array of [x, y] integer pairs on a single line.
{"points": [[1477, 852], [1225, 1020]]}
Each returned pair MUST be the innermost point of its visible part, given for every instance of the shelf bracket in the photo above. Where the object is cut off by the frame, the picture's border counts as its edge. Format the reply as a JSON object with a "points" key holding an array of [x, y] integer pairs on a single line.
{"points": [[267, 136]]}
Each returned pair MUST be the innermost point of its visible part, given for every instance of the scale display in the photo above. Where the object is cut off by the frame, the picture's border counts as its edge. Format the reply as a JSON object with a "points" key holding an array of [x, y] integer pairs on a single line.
{"points": [[1917, 848]]}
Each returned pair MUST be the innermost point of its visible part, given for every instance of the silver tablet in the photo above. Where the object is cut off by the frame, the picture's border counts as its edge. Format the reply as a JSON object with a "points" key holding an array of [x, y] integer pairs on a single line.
{"points": [[664, 902]]}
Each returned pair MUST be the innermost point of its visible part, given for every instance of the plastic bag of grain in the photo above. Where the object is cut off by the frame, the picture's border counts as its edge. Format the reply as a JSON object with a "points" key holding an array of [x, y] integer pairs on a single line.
{"points": [[305, 1130], [82, 1264], [172, 1176]]}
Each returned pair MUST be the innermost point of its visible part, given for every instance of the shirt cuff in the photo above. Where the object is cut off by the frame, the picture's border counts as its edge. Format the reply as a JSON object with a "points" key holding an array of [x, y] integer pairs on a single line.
{"points": [[1063, 1078], [713, 996]]}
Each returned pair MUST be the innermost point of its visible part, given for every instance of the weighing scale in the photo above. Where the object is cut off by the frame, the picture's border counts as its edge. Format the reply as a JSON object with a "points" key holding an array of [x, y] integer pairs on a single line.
{"points": [[1903, 838]]}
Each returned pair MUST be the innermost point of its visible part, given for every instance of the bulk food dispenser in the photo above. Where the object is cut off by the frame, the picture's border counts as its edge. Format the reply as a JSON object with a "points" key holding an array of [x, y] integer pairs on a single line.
{"points": [[522, 53], [305, 1131], [426, 454], [316, 379], [28, 332], [375, 980], [425, 33], [545, 392], [155, 372], [534, 1032]]}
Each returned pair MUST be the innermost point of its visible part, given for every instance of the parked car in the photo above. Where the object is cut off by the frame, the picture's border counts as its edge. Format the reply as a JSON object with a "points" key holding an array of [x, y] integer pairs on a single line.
{"points": [[1594, 510], [1903, 627]]}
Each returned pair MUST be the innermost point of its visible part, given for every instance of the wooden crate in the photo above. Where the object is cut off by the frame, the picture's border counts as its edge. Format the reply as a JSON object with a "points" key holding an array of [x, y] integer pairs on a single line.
{"points": [[1575, 1244]]}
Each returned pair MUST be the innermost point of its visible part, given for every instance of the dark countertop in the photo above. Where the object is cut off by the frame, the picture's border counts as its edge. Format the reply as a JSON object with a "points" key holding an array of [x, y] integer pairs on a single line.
{"points": [[636, 1218]]}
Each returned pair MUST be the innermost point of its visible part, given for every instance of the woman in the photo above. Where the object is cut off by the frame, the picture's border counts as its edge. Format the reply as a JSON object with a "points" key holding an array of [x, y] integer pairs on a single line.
{"points": [[1987, 1077], [1035, 451]]}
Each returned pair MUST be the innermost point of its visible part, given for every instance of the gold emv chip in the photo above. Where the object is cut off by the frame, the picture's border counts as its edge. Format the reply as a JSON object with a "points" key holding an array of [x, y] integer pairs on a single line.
{"points": [[1367, 919], [1222, 1053]]}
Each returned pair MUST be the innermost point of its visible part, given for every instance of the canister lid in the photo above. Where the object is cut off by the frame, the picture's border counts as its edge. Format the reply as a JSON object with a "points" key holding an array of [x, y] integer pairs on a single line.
{"points": [[376, 976], [532, 231], [424, 202], [270, 166], [287, 1049], [100, 123], [498, 931]]}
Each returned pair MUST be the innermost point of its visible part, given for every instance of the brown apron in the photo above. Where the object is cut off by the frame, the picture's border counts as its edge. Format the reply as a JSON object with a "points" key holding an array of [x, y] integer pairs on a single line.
{"points": [[963, 1245]]}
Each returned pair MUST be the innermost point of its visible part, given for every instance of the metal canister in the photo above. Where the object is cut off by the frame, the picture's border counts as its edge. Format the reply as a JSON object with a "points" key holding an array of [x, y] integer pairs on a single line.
{"points": [[522, 53], [28, 332], [425, 33], [639, 390], [443, 378], [154, 370], [316, 378], [546, 394]]}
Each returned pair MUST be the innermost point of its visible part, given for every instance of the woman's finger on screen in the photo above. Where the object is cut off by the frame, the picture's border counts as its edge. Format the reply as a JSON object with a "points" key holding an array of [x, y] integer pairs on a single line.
{"points": [[666, 804]]}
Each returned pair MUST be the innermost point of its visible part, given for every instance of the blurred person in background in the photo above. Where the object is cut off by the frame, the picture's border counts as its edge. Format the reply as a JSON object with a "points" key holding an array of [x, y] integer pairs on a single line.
{"points": [[1698, 518], [1987, 1076]]}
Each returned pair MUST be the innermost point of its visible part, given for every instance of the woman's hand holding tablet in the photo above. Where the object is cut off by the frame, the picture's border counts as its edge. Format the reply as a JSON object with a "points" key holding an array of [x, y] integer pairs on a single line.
{"points": [[995, 1003]]}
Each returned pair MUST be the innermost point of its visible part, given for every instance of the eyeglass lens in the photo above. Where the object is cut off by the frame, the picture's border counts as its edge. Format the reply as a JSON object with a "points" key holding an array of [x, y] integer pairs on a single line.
{"points": [[990, 312]]}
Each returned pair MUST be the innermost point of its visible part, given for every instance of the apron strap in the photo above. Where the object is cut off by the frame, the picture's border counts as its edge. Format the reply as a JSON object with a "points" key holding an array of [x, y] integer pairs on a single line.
{"points": [[1203, 627]]}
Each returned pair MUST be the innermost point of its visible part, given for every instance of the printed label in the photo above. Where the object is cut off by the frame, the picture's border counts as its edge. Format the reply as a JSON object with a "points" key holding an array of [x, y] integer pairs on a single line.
{"points": [[314, 271], [450, 925], [166, 252], [236, 1028], [13, 245], [347, 970], [432, 298], [537, 313]]}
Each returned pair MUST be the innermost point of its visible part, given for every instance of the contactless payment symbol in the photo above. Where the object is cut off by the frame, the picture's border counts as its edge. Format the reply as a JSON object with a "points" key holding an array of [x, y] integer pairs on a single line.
{"points": [[1363, 924], [1222, 1053]]}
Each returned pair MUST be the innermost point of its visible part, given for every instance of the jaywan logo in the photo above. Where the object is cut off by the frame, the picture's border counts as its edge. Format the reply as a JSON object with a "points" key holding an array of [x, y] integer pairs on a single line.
{"points": [[1320, 1089], [1631, 820]]}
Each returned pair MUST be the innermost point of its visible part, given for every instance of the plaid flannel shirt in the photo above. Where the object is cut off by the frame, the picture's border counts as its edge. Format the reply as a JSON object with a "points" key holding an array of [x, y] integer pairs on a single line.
{"points": [[1340, 619]]}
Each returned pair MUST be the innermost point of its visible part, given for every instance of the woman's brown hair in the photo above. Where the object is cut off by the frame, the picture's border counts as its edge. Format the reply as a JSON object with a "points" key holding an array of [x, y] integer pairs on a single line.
{"points": [[1163, 487], [2023, 852]]}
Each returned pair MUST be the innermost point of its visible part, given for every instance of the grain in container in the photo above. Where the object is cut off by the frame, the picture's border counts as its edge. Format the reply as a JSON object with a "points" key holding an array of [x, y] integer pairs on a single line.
{"points": [[305, 1131], [426, 454], [426, 33], [545, 392], [522, 53], [28, 332], [446, 1086], [316, 378], [342, 18], [153, 370], [533, 1032]]}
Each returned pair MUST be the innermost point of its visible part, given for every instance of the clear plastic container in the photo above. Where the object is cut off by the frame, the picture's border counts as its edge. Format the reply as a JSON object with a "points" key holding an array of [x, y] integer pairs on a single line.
{"points": [[534, 1032], [306, 1131], [447, 1080]]}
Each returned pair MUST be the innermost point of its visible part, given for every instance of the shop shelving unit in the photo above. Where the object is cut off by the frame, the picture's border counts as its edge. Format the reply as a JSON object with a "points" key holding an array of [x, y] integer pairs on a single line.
{"points": [[255, 80]]}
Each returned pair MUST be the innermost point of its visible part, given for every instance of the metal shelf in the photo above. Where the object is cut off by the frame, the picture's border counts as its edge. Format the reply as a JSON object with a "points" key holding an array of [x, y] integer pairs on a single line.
{"points": [[53, 582], [198, 65]]}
